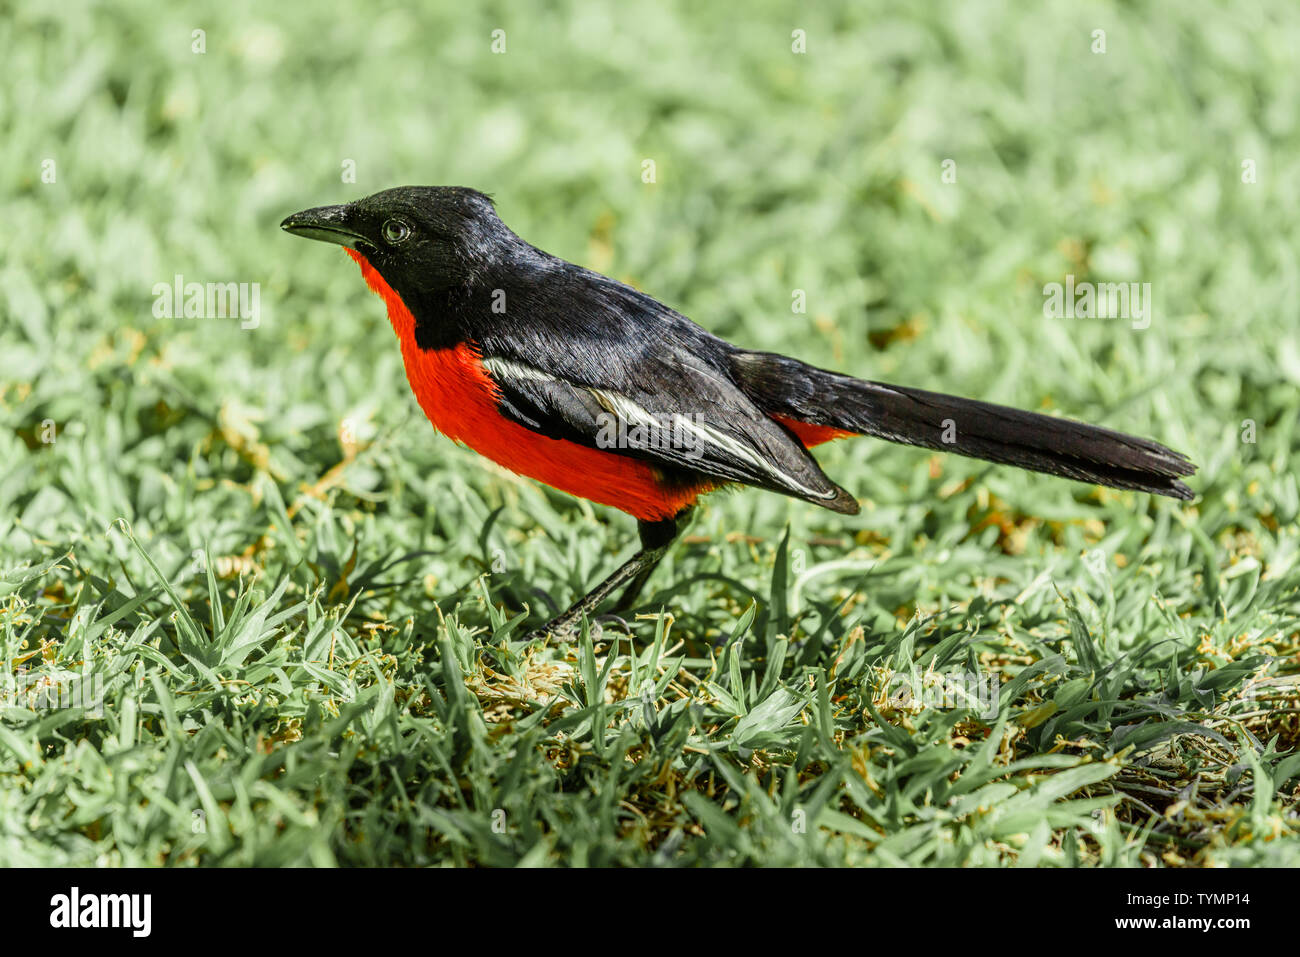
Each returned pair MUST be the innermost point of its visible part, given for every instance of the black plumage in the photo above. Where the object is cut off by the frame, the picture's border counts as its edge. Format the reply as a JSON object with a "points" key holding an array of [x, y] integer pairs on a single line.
{"points": [[568, 351]]}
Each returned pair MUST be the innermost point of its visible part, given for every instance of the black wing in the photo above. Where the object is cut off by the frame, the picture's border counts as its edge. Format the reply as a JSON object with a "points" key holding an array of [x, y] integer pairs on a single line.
{"points": [[679, 413]]}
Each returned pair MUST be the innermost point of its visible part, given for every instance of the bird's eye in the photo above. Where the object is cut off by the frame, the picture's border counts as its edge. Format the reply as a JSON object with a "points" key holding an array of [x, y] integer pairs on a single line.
{"points": [[396, 231]]}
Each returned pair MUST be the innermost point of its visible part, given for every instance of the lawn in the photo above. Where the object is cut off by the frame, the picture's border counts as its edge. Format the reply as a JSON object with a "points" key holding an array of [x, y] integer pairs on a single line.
{"points": [[254, 610]]}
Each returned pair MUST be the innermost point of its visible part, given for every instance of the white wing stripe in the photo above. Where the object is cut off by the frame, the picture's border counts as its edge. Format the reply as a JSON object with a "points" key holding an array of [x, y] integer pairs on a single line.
{"points": [[624, 407], [633, 414]]}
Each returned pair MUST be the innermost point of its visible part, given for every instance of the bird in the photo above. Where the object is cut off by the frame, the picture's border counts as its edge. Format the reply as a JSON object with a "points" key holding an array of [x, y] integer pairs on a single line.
{"points": [[592, 387]]}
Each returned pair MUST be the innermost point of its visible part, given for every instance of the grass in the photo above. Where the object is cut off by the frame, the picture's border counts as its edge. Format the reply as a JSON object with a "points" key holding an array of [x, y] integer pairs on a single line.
{"points": [[305, 610]]}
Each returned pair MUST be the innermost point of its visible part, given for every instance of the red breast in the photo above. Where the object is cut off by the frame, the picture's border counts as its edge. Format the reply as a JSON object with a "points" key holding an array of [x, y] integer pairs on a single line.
{"points": [[460, 399]]}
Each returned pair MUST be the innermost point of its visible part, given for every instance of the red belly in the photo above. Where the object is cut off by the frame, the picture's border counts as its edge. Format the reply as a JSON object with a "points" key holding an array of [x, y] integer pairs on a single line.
{"points": [[810, 434], [460, 399]]}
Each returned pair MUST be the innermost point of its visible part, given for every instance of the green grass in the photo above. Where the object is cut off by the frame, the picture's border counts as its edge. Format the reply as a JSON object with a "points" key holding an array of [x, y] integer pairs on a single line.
{"points": [[306, 609]]}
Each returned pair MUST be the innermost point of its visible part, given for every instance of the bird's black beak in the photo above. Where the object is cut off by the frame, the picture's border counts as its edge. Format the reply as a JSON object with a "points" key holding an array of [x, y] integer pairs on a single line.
{"points": [[329, 224]]}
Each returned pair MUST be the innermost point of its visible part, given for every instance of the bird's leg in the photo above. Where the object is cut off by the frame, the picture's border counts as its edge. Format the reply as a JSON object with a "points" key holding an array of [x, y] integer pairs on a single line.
{"points": [[656, 538]]}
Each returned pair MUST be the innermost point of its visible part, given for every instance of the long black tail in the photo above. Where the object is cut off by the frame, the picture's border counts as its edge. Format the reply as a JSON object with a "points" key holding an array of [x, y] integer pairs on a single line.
{"points": [[783, 386]]}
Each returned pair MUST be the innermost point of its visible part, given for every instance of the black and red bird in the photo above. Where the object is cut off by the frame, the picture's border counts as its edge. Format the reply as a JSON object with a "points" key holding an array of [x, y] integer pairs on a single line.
{"points": [[564, 375]]}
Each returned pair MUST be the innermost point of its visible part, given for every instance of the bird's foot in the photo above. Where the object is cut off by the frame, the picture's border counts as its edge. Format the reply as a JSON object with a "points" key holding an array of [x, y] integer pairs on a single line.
{"points": [[564, 627]]}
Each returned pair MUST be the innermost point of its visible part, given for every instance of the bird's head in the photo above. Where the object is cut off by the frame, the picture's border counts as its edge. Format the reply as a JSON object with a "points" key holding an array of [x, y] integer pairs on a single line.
{"points": [[419, 238]]}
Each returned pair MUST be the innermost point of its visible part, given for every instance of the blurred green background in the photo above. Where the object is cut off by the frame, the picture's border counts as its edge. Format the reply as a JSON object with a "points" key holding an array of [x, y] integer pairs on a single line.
{"points": [[273, 671]]}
